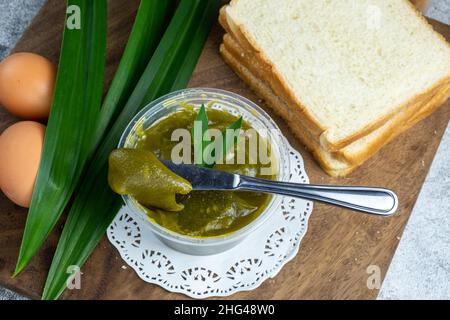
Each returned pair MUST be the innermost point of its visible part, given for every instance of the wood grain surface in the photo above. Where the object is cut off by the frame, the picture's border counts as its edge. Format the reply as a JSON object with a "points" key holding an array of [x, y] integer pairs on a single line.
{"points": [[339, 245]]}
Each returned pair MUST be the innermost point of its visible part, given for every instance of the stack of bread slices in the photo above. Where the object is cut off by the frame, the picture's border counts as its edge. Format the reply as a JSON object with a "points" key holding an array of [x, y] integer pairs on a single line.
{"points": [[347, 76]]}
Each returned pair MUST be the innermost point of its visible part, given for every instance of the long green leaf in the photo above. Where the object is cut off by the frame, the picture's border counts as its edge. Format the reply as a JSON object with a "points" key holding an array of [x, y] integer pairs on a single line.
{"points": [[71, 123], [150, 23], [195, 49], [198, 141], [96, 205]]}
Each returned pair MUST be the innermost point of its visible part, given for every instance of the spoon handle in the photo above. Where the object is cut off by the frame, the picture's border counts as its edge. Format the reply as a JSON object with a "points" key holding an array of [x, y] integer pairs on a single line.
{"points": [[378, 201]]}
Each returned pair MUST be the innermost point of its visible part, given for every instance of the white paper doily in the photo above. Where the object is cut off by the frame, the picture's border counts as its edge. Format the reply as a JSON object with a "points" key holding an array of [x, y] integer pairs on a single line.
{"points": [[274, 244]]}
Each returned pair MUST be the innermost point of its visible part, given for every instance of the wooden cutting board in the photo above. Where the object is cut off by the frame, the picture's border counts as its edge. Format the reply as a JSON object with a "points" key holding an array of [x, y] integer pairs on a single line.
{"points": [[339, 245]]}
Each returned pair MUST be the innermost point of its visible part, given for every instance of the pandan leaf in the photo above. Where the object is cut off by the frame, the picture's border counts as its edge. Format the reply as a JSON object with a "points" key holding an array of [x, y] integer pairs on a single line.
{"points": [[71, 124], [198, 136], [151, 21], [96, 205]]}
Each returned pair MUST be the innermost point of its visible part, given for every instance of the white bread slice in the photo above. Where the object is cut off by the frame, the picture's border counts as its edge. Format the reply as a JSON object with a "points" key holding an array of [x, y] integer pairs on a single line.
{"points": [[331, 165], [328, 161], [346, 74], [355, 154], [359, 150]]}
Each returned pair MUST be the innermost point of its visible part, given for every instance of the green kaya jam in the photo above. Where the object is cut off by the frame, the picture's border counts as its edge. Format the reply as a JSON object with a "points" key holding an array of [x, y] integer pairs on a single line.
{"points": [[134, 172], [195, 213]]}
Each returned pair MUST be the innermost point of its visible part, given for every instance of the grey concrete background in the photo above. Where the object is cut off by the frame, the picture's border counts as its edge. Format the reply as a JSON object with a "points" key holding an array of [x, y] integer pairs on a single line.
{"points": [[15, 15], [420, 268]]}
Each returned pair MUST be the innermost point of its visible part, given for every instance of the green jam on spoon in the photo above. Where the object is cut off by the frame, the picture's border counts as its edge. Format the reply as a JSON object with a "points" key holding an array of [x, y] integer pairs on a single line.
{"points": [[139, 174]]}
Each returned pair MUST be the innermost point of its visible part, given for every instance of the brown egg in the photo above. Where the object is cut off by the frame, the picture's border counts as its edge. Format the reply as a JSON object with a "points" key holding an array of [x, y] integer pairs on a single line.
{"points": [[26, 85], [20, 153]]}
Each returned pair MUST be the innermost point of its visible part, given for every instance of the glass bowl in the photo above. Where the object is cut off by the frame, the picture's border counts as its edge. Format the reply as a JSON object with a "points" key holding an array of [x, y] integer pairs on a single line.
{"points": [[236, 105]]}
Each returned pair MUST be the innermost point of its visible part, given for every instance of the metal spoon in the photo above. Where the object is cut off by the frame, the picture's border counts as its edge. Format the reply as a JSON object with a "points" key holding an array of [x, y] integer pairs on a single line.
{"points": [[378, 201]]}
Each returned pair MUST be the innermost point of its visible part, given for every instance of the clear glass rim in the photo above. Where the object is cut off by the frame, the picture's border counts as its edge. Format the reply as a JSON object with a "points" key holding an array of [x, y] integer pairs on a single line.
{"points": [[283, 164]]}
